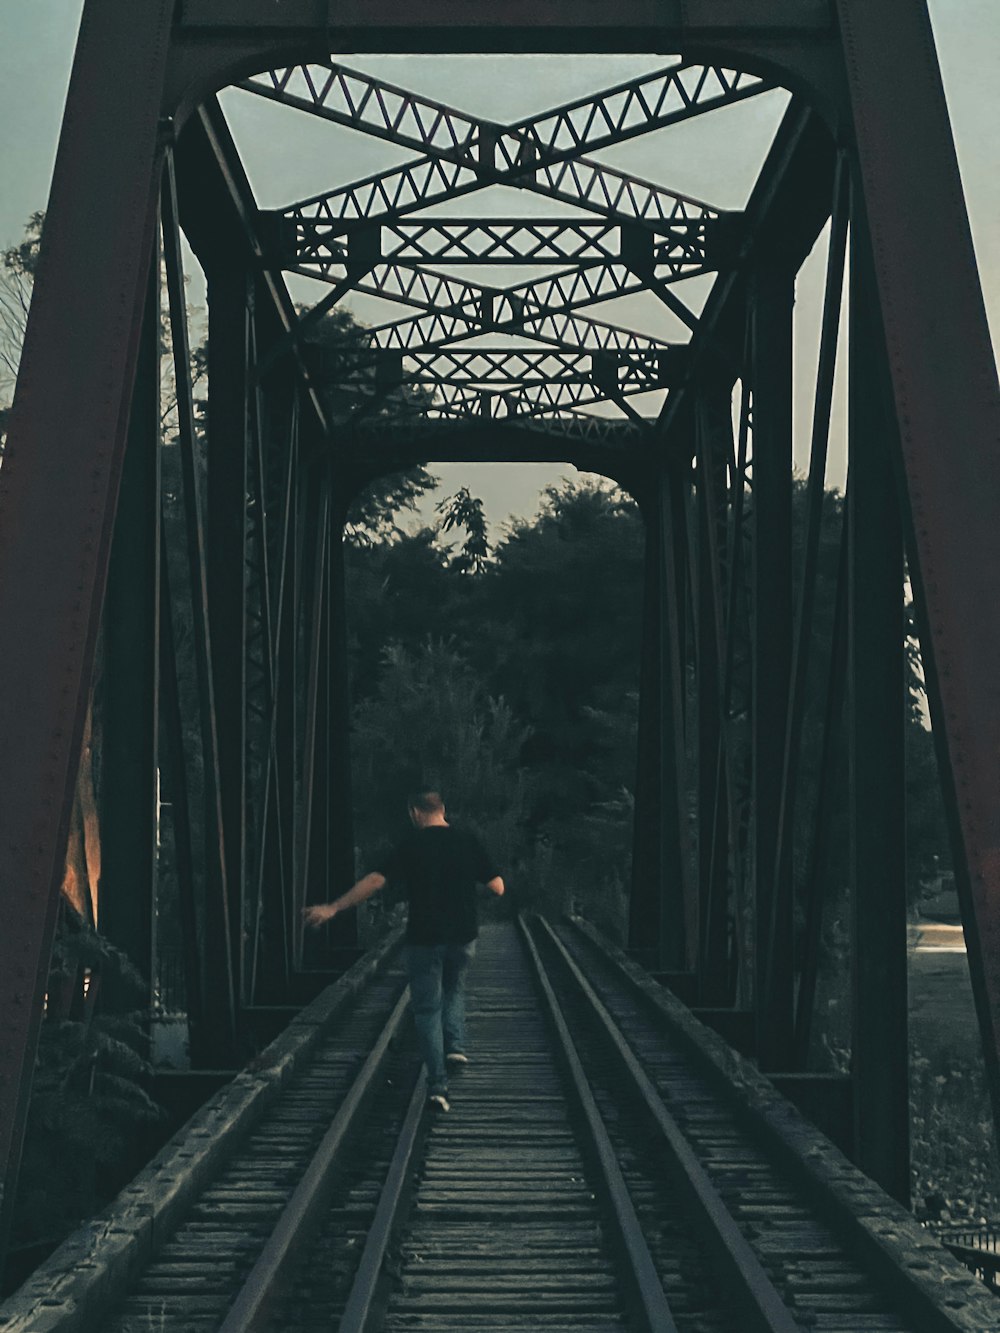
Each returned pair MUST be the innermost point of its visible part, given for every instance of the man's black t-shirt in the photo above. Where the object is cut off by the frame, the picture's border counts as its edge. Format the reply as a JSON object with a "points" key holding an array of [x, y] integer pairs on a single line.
{"points": [[438, 867]]}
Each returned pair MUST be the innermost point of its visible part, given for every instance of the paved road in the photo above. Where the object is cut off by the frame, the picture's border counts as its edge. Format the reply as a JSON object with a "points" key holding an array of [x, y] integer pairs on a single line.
{"points": [[941, 1008]]}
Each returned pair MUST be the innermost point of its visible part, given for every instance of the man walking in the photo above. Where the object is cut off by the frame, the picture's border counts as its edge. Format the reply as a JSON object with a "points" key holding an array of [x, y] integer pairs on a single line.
{"points": [[438, 867]]}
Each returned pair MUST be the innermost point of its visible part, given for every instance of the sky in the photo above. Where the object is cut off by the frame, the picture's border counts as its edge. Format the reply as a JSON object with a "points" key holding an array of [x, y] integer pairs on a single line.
{"points": [[286, 162]]}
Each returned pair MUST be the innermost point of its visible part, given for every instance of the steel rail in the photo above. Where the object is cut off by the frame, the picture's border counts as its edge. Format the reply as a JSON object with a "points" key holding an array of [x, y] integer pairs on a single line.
{"points": [[361, 1302], [765, 1307], [248, 1313], [843, 1198], [645, 1280]]}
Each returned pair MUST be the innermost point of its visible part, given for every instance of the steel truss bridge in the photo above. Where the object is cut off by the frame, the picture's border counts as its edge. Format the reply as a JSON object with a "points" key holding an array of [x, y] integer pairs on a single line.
{"points": [[698, 429]]}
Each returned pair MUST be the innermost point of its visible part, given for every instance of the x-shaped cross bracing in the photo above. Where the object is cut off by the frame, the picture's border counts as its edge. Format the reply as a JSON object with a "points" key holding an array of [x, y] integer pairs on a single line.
{"points": [[360, 237]]}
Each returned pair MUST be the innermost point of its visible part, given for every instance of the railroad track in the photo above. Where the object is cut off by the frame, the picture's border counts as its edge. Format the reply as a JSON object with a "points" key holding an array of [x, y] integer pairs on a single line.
{"points": [[596, 1172]]}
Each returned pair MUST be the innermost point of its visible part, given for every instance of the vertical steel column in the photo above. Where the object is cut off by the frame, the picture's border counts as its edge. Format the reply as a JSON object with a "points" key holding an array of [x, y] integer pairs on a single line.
{"points": [[220, 1006], [277, 428], [130, 678], [313, 517], [877, 769], [714, 449], [661, 900], [344, 931], [316, 841], [815, 877], [805, 628], [229, 297], [772, 299], [175, 792], [948, 412], [65, 446], [645, 907]]}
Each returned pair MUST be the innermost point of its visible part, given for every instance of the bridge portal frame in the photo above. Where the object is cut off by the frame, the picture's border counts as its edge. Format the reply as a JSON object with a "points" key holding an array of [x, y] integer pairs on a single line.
{"points": [[142, 73]]}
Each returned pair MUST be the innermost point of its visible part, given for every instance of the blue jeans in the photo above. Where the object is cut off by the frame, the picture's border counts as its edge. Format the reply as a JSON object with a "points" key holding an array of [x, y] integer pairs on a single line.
{"points": [[437, 997]]}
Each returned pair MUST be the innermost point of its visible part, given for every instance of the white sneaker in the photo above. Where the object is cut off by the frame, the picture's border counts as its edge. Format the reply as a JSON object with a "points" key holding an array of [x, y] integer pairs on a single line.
{"points": [[457, 1058], [439, 1100]]}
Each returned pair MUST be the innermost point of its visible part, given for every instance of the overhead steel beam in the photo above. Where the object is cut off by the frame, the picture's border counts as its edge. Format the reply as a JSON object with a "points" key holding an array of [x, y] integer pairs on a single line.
{"points": [[650, 102], [514, 366], [503, 439], [593, 186], [543, 309], [522, 25], [310, 246]]}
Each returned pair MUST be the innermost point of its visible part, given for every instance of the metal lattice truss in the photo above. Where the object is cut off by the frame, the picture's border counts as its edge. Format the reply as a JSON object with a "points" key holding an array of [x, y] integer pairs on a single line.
{"points": [[484, 367], [315, 248], [486, 148], [496, 385], [615, 195], [543, 309], [629, 236]]}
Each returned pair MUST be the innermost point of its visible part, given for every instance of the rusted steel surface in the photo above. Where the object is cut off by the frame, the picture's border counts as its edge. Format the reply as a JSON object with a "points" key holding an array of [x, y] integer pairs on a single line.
{"points": [[59, 484], [948, 409], [446, 22]]}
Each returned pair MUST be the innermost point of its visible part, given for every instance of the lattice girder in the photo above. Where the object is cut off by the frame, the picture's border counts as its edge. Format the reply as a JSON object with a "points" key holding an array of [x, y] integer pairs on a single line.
{"points": [[312, 247], [358, 101]]}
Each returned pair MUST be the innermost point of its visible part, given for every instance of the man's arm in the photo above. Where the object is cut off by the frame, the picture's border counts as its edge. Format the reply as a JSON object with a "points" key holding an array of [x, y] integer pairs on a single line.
{"points": [[365, 887], [495, 885]]}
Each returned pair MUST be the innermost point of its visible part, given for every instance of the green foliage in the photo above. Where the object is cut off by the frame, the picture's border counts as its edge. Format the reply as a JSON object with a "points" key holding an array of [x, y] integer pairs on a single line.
{"points": [[565, 667], [18, 264], [372, 517], [432, 722], [22, 259], [463, 511], [88, 1104], [952, 1138]]}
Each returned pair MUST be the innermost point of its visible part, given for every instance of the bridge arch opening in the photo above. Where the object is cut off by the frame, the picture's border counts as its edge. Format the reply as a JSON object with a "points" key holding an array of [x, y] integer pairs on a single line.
{"points": [[649, 402], [498, 659]]}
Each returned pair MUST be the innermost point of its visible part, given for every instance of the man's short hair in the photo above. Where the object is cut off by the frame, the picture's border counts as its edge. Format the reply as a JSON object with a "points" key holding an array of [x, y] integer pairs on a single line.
{"points": [[427, 802]]}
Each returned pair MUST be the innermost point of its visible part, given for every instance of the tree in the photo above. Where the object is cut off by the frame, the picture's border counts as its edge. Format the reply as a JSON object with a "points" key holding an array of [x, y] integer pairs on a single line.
{"points": [[17, 276], [334, 347], [89, 1108], [462, 510], [431, 722], [565, 664]]}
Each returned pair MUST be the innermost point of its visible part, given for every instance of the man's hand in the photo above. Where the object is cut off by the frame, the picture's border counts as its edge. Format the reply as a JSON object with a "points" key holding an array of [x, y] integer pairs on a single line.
{"points": [[319, 913]]}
